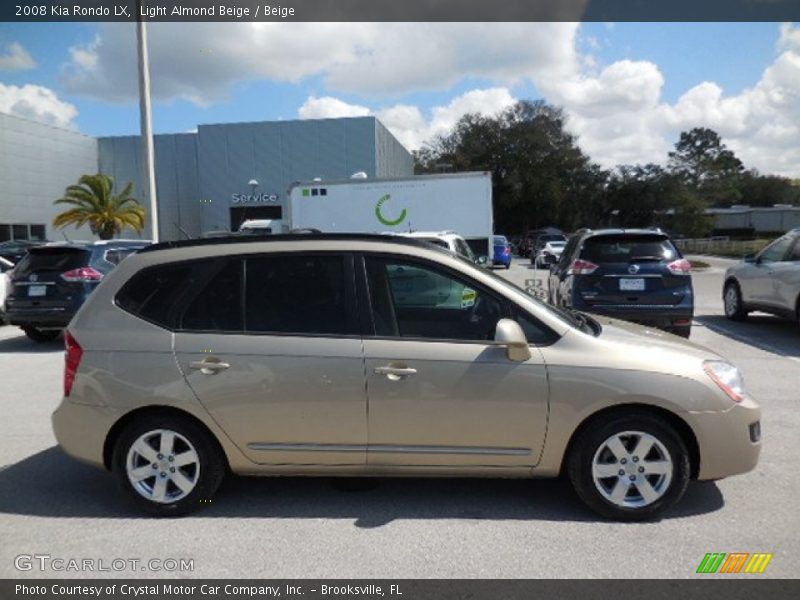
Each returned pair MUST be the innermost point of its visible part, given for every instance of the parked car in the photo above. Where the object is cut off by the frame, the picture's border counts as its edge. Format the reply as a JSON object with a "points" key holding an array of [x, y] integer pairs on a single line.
{"points": [[536, 238], [502, 252], [549, 253], [632, 274], [768, 281], [16, 249], [449, 240], [378, 355], [52, 281], [5, 266], [541, 241]]}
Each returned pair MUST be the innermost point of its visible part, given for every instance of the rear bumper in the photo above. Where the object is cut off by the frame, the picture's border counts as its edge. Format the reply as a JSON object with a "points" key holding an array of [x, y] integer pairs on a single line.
{"points": [[663, 317], [39, 317], [729, 442], [80, 441]]}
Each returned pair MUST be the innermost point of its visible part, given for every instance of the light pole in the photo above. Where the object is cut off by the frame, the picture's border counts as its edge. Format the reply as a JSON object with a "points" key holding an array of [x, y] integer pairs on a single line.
{"points": [[146, 119]]}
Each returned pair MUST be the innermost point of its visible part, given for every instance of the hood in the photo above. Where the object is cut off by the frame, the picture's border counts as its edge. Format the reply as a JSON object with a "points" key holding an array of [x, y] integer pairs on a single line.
{"points": [[650, 340]]}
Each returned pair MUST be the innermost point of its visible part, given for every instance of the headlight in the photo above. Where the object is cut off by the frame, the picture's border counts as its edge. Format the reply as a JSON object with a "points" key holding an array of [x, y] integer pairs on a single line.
{"points": [[727, 377]]}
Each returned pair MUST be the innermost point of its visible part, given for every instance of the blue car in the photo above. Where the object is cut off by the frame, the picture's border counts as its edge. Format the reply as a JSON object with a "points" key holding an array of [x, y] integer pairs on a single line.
{"points": [[502, 251], [51, 282]]}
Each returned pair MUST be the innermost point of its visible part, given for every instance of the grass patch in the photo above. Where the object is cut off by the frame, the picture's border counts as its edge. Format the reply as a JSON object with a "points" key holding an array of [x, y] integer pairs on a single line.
{"points": [[699, 264]]}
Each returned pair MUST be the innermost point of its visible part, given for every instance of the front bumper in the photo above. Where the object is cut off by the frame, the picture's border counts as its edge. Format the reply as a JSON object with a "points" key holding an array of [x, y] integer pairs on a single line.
{"points": [[729, 442], [81, 430]]}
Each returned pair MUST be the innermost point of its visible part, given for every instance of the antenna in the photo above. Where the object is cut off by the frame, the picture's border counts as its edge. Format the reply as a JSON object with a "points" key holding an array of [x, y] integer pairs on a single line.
{"points": [[182, 230], [65, 236]]}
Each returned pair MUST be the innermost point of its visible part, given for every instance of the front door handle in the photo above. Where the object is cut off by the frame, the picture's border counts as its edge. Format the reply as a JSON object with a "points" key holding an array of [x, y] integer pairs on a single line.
{"points": [[209, 366], [395, 373]]}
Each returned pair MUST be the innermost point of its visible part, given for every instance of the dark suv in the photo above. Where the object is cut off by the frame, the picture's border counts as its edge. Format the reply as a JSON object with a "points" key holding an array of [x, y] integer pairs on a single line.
{"points": [[631, 274], [51, 282]]}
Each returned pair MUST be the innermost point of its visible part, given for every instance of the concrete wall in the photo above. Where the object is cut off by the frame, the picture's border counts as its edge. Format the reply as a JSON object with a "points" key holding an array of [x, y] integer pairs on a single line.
{"points": [[37, 162]]}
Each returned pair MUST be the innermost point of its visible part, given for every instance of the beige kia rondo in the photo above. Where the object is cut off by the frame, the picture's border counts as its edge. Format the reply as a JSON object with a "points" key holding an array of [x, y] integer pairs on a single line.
{"points": [[382, 355]]}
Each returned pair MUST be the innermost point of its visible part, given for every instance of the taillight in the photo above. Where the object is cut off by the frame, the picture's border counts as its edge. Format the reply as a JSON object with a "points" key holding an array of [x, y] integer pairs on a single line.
{"points": [[72, 358], [506, 250], [680, 267], [82, 274], [582, 267]]}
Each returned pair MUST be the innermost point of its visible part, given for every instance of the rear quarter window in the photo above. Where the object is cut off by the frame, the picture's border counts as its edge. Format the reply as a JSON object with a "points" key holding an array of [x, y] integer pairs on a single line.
{"points": [[155, 293]]}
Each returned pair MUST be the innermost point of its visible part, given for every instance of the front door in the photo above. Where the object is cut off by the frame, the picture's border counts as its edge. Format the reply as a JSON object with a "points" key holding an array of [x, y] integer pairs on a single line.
{"points": [[270, 348], [439, 392]]}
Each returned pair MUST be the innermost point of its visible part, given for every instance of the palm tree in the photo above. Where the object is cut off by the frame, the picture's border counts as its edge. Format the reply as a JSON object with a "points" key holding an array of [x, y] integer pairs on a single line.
{"points": [[95, 204]]}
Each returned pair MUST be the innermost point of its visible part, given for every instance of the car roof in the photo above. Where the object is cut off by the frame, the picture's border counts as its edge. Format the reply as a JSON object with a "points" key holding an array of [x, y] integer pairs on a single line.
{"points": [[89, 245], [286, 237]]}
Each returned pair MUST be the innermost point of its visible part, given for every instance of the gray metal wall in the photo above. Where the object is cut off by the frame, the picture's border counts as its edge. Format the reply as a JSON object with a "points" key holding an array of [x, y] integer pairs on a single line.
{"points": [[393, 160], [177, 179], [37, 162], [765, 219], [197, 174], [276, 154]]}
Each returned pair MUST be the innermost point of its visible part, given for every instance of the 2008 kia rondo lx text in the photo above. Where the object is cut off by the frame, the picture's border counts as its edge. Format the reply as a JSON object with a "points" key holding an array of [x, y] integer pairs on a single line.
{"points": [[381, 355]]}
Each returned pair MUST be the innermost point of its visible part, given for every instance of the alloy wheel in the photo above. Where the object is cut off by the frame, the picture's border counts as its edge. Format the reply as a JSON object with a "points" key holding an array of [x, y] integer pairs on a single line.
{"points": [[163, 466], [632, 469]]}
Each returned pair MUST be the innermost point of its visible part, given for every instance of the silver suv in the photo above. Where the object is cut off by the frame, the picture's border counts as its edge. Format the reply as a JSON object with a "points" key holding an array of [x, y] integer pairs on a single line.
{"points": [[768, 281], [381, 355]]}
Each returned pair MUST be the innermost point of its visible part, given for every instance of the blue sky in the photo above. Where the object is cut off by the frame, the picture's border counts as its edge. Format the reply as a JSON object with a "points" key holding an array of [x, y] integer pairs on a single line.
{"points": [[598, 72]]}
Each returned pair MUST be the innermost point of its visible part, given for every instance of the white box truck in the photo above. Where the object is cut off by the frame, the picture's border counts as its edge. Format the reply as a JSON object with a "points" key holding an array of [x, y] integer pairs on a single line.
{"points": [[459, 202]]}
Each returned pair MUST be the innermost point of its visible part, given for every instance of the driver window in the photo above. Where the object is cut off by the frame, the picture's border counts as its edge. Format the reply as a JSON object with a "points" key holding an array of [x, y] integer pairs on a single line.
{"points": [[417, 300], [777, 251]]}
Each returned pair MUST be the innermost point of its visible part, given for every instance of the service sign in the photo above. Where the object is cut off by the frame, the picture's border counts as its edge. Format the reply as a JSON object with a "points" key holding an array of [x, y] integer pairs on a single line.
{"points": [[254, 198]]}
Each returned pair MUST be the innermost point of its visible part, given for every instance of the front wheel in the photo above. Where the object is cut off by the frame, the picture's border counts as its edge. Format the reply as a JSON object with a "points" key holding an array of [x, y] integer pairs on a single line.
{"points": [[629, 467], [167, 465], [732, 300]]}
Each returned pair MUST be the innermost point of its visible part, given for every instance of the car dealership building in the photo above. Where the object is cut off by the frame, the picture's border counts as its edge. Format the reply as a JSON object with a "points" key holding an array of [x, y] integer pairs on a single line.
{"points": [[208, 180]]}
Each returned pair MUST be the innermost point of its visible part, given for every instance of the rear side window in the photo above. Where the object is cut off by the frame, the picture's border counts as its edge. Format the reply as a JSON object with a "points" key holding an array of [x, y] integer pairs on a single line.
{"points": [[52, 259], [628, 248], [154, 293], [116, 255], [300, 294]]}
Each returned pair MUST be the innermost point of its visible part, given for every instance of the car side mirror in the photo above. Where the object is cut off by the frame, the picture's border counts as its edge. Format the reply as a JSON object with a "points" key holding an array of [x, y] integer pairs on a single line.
{"points": [[482, 260], [509, 335], [750, 258]]}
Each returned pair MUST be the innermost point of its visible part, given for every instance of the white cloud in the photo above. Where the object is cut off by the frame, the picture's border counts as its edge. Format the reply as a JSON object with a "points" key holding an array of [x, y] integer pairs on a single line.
{"points": [[38, 104], [329, 108], [16, 58], [616, 110], [407, 122], [200, 61]]}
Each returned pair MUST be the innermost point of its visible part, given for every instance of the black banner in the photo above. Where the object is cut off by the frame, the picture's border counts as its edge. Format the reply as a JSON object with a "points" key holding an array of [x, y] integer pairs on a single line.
{"points": [[733, 588], [400, 10]]}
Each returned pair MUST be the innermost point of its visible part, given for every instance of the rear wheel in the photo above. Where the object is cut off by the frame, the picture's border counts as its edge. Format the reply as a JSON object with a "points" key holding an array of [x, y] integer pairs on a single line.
{"points": [[684, 332], [167, 465], [732, 300], [629, 467], [41, 335]]}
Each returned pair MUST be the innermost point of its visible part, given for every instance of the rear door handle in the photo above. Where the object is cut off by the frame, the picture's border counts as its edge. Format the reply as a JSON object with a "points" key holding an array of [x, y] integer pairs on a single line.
{"points": [[209, 366], [395, 373]]}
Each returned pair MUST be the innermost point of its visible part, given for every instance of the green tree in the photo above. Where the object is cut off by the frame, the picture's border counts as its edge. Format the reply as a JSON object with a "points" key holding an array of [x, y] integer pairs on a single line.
{"points": [[707, 166], [540, 176], [94, 203]]}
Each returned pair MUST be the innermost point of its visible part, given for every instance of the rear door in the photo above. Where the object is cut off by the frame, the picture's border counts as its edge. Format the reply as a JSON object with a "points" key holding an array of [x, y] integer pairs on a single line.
{"points": [[632, 270], [38, 283], [271, 347]]}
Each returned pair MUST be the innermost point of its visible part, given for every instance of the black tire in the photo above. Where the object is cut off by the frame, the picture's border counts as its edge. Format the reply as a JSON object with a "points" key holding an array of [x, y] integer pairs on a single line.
{"points": [[590, 441], [41, 335], [212, 464], [508, 266], [734, 310]]}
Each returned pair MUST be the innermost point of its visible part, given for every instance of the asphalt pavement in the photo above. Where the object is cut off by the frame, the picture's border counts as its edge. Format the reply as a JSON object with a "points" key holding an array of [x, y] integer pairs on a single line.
{"points": [[404, 528]]}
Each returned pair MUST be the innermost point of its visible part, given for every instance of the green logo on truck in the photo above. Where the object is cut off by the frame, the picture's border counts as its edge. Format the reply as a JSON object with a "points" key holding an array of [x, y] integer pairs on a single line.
{"points": [[383, 219]]}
